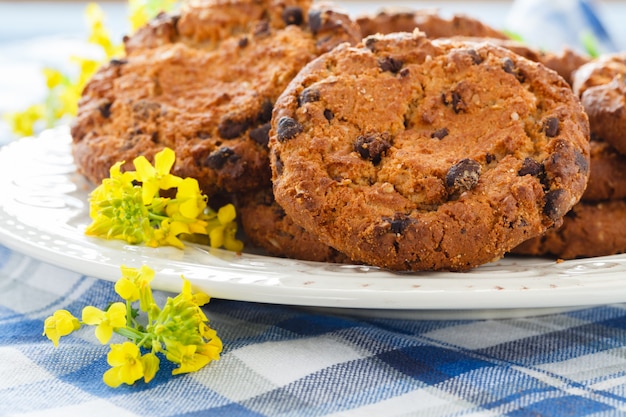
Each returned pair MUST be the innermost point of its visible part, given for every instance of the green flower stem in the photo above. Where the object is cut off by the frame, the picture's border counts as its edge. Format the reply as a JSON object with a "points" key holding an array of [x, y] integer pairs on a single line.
{"points": [[129, 333]]}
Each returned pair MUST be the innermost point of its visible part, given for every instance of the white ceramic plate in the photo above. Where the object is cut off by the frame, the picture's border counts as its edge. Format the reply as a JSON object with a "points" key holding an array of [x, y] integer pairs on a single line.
{"points": [[44, 210]]}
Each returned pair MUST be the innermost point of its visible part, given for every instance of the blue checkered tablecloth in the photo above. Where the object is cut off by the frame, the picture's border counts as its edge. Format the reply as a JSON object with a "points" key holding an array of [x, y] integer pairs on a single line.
{"points": [[290, 361]]}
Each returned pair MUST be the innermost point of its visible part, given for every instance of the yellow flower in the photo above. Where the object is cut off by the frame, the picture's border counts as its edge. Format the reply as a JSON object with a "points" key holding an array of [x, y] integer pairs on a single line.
{"points": [[198, 298], [127, 365], [143, 10], [23, 122], [187, 356], [53, 77], [99, 34], [117, 209], [212, 348], [189, 202], [135, 285], [157, 177], [150, 363], [222, 229], [106, 321], [61, 323]]}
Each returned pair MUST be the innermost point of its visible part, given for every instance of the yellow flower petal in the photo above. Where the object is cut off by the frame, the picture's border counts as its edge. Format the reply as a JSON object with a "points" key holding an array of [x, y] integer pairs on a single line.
{"points": [[92, 315], [150, 363], [226, 214], [127, 365], [164, 161], [104, 332], [127, 290], [60, 324]]}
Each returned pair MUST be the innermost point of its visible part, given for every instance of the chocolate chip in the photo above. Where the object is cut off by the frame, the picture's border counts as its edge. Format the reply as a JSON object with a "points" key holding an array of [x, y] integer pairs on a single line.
{"points": [[288, 128], [373, 146], [582, 162], [463, 175], [509, 67], [489, 158], [262, 28], [292, 15], [230, 129], [278, 164], [243, 42], [551, 127], [457, 102], [398, 223], [308, 95], [476, 58], [261, 134], [440, 133], [455, 99], [554, 204], [315, 21], [530, 167], [370, 43], [105, 109], [329, 115], [390, 64], [218, 158], [117, 62], [265, 115], [404, 72]]}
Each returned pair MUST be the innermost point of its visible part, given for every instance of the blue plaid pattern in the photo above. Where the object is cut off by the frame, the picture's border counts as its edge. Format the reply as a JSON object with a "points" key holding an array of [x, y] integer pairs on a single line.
{"points": [[292, 361]]}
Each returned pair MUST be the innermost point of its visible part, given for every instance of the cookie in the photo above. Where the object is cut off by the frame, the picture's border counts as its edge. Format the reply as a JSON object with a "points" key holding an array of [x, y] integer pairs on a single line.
{"points": [[412, 154], [589, 229], [266, 226], [387, 21], [564, 62], [204, 84], [426, 20], [602, 90], [607, 179]]}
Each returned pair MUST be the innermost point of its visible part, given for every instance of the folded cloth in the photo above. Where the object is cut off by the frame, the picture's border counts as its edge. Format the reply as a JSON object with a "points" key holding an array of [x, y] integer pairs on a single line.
{"points": [[553, 25], [289, 361]]}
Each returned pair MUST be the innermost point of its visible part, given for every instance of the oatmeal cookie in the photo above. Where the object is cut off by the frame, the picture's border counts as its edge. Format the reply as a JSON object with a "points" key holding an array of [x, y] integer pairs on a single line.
{"points": [[607, 179], [589, 229], [565, 63], [204, 84], [266, 225], [412, 154], [601, 87], [429, 21]]}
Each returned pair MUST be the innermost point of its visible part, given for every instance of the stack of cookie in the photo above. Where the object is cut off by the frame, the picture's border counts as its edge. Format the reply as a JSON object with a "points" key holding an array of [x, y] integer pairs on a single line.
{"points": [[395, 149], [595, 226]]}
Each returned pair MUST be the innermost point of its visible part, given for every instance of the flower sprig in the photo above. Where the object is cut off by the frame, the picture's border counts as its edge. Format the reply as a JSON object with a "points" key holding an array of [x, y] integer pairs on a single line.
{"points": [[65, 88], [179, 331], [129, 206]]}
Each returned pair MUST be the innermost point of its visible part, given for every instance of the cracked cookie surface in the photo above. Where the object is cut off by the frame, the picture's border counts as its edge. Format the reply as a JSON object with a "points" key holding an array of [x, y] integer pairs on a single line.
{"points": [[412, 154]]}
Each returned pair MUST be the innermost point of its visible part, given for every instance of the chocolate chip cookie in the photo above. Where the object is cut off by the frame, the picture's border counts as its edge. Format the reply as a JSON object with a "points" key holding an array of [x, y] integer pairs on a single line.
{"points": [[266, 225], [589, 229], [429, 21], [204, 84], [413, 154], [607, 179], [602, 90]]}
